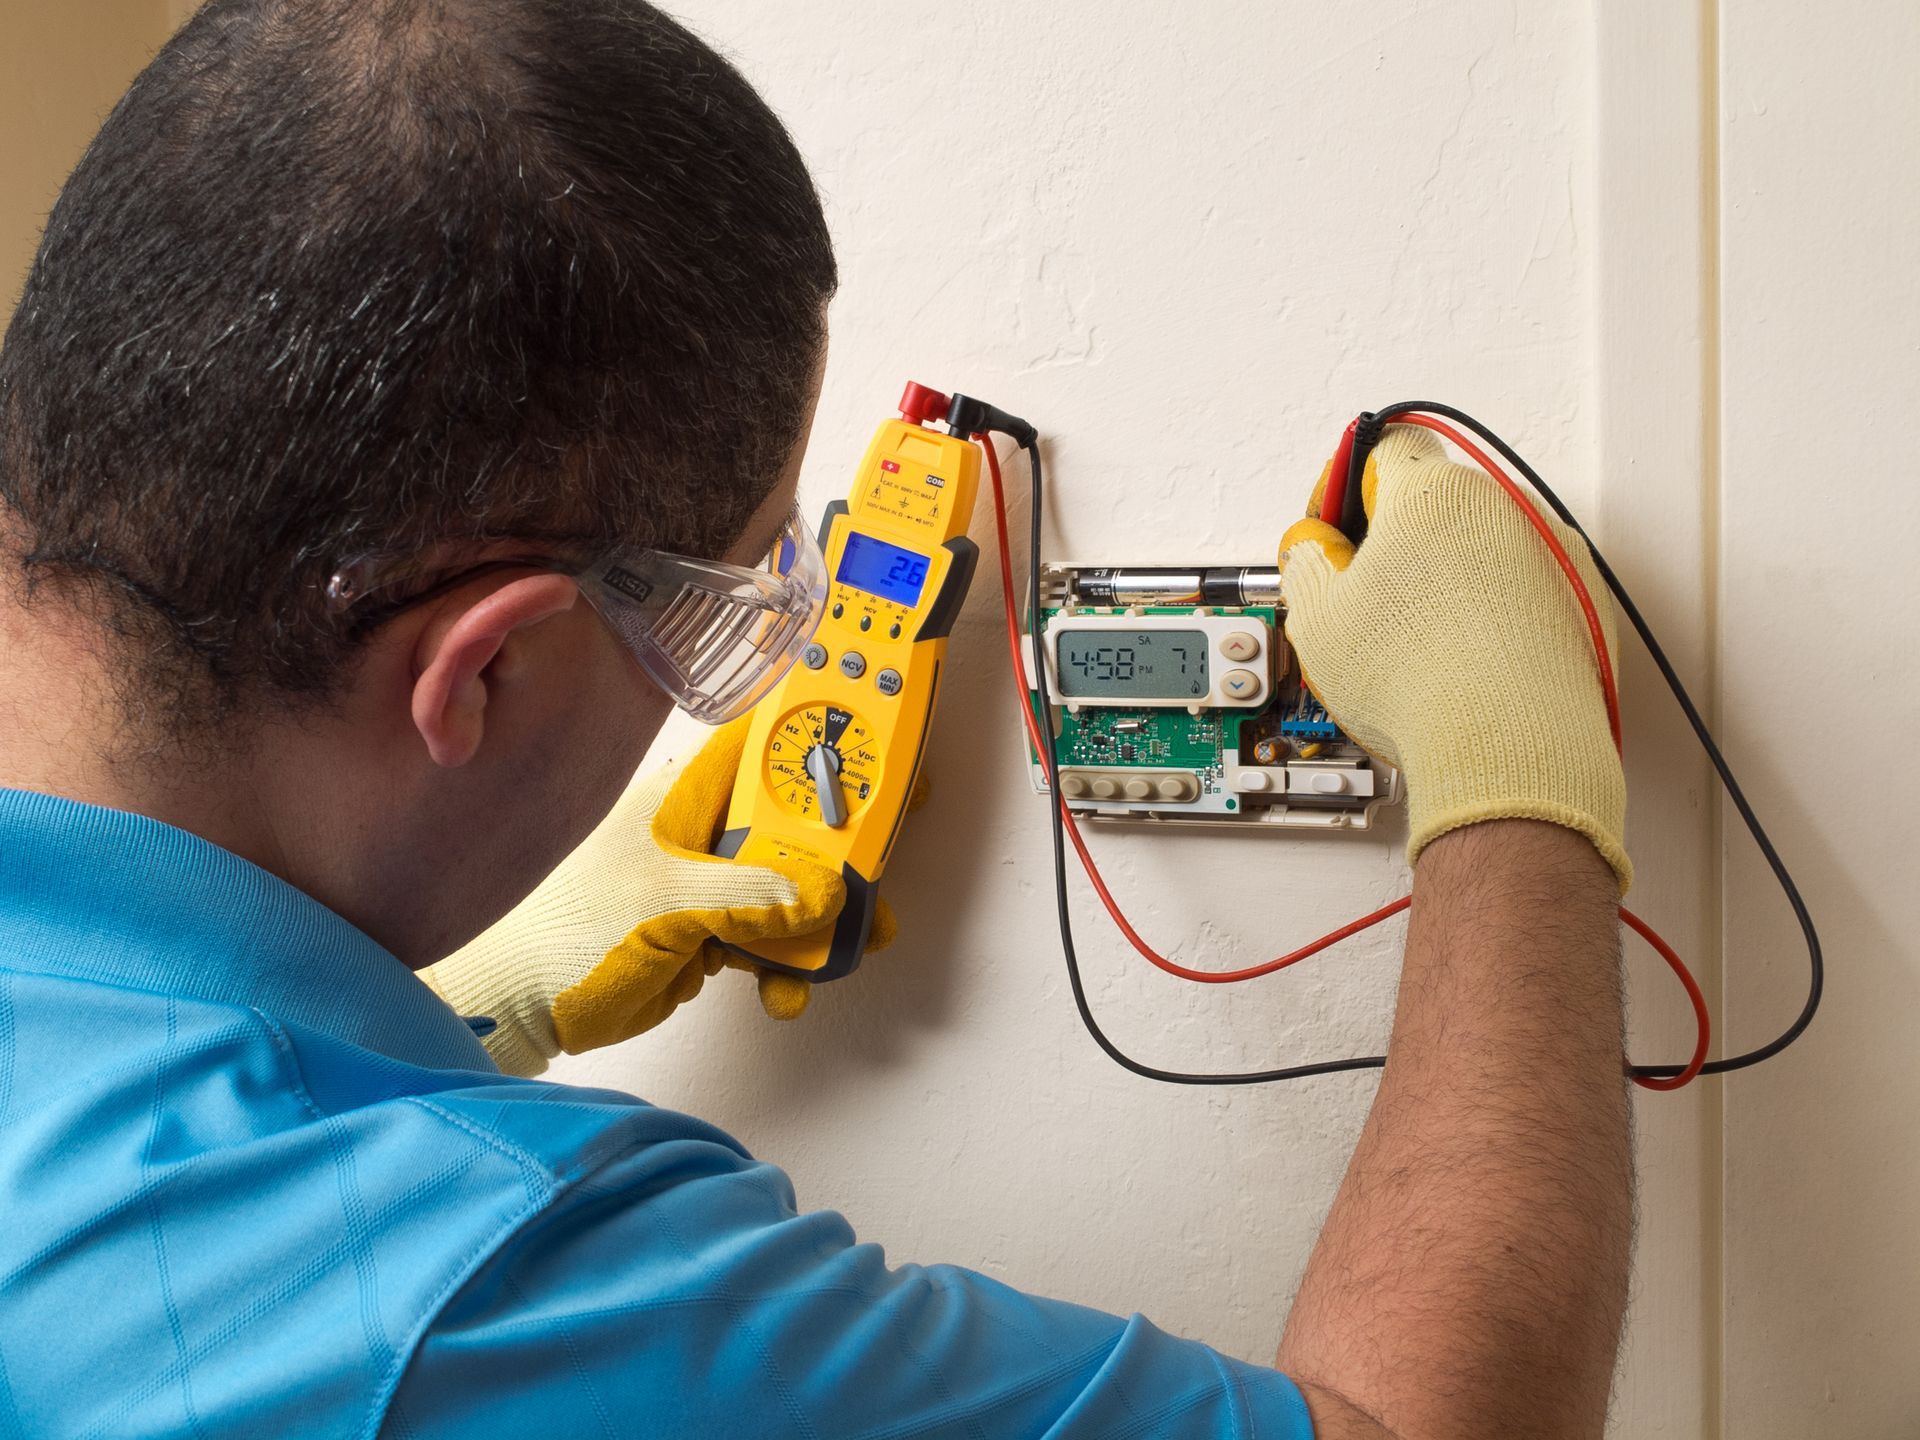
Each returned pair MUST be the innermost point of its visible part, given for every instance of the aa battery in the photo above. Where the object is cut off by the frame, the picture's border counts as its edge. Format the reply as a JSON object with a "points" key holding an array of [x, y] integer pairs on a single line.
{"points": [[1231, 585]]}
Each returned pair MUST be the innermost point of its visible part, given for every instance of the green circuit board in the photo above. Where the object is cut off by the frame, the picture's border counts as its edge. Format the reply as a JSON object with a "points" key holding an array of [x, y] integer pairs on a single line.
{"points": [[1153, 738]]}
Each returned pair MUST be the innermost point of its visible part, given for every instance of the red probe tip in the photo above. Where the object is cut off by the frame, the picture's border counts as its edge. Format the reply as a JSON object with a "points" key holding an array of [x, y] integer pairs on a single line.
{"points": [[1333, 502], [919, 404]]}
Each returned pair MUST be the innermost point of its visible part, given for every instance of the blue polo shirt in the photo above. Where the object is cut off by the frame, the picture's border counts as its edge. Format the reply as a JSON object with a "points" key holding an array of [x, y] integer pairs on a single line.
{"points": [[255, 1179]]}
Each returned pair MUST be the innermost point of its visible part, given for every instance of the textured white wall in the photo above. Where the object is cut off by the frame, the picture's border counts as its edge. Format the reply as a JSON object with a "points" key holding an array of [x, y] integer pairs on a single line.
{"points": [[1189, 242], [1821, 130]]}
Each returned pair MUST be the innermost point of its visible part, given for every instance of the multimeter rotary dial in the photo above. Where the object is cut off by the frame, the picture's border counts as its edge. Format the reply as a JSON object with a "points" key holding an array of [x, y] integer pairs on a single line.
{"points": [[822, 763]]}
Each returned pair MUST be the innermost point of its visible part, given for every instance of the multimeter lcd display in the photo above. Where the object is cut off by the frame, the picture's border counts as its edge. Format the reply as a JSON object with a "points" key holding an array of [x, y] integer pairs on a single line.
{"points": [[1133, 664], [882, 569]]}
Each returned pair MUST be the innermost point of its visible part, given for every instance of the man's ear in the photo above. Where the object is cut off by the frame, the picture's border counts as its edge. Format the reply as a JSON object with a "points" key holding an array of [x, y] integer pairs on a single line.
{"points": [[454, 651]]}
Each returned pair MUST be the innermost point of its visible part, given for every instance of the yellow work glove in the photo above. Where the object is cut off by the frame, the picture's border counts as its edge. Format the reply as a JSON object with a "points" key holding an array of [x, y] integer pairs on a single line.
{"points": [[622, 932], [1451, 646]]}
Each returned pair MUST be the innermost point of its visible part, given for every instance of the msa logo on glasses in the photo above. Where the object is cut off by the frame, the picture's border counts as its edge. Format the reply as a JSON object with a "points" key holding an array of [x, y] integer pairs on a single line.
{"points": [[626, 582]]}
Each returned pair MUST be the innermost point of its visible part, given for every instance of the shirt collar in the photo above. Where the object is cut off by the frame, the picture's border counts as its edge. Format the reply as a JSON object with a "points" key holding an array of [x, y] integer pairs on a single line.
{"points": [[121, 899]]}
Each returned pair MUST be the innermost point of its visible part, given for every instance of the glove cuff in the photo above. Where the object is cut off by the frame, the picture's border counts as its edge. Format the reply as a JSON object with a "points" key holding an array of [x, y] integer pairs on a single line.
{"points": [[485, 983], [1430, 827]]}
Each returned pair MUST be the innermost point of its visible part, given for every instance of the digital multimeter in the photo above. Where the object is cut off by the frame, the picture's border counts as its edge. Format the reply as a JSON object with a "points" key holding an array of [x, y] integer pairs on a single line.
{"points": [[833, 750]]}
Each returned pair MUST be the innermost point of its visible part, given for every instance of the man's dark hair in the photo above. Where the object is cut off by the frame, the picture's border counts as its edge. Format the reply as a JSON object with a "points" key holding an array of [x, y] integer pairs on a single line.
{"points": [[352, 278]]}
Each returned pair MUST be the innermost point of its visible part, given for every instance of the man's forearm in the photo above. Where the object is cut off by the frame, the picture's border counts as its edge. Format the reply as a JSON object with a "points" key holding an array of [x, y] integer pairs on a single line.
{"points": [[1471, 1277]]}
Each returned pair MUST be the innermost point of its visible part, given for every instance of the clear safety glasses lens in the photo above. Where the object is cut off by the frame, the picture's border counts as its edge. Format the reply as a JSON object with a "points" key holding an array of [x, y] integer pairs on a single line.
{"points": [[716, 637]]}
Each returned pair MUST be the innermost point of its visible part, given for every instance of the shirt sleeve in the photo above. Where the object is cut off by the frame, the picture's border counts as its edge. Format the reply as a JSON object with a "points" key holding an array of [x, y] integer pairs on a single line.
{"points": [[679, 1291]]}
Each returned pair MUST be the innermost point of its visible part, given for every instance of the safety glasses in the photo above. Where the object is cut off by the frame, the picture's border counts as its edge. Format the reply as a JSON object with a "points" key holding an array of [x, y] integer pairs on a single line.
{"points": [[716, 637]]}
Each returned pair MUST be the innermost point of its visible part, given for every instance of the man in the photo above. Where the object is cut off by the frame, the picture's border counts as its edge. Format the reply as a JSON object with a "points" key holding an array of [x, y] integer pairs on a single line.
{"points": [[367, 349]]}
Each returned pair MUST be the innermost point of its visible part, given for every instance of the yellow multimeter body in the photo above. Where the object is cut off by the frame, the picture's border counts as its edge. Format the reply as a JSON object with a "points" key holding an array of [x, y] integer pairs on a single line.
{"points": [[834, 749]]}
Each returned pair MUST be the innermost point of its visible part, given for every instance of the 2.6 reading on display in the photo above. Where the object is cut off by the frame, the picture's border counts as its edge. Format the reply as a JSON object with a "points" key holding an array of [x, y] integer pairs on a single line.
{"points": [[882, 569]]}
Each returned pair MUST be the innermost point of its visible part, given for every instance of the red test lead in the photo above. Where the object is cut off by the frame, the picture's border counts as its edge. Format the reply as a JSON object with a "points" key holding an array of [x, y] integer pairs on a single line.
{"points": [[1670, 1077]]}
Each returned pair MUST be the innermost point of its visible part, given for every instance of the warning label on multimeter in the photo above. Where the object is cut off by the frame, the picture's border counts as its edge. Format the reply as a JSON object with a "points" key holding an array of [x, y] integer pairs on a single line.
{"points": [[914, 496]]}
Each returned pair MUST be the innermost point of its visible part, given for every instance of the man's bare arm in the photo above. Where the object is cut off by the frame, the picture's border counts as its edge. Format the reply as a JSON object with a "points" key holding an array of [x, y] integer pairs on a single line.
{"points": [[1471, 1277]]}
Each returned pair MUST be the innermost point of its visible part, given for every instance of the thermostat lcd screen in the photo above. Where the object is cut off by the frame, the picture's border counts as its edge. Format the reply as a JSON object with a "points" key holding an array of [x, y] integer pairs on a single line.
{"points": [[1133, 664], [882, 569]]}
